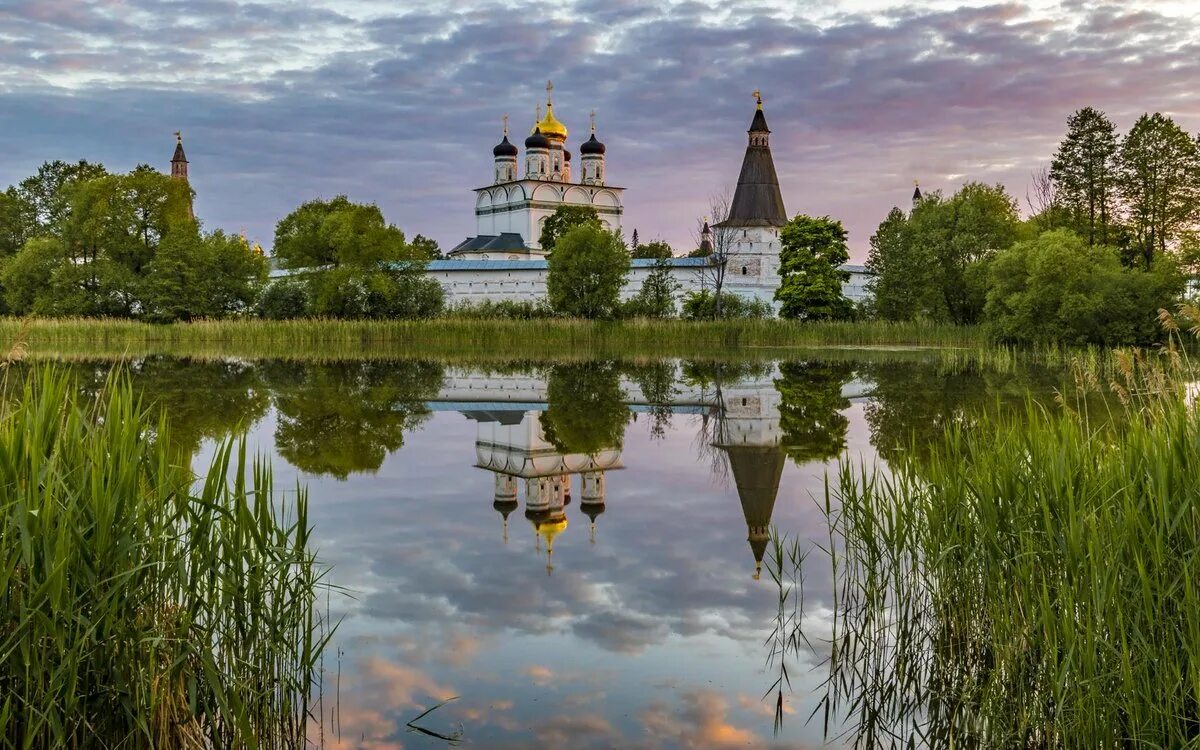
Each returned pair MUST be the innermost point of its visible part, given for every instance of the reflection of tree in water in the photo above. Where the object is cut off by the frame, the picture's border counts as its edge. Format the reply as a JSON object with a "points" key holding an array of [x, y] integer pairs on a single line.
{"points": [[201, 399], [345, 417], [587, 412], [912, 403], [810, 409], [657, 381]]}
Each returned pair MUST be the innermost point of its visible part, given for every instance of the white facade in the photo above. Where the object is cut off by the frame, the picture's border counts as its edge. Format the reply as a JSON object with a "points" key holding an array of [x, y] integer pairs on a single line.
{"points": [[522, 206]]}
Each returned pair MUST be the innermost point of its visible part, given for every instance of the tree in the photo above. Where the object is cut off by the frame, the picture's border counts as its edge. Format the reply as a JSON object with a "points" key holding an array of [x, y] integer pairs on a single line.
{"points": [[44, 194], [1084, 173], [283, 299], [656, 298], [657, 250], [425, 248], [14, 230], [1058, 289], [340, 233], [1160, 182], [586, 272], [563, 220], [194, 276], [26, 276], [712, 275], [811, 254], [902, 285]]}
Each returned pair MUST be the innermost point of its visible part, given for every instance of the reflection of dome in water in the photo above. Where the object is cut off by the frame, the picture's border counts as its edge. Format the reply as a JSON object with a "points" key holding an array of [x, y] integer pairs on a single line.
{"points": [[504, 508], [547, 525], [756, 472], [592, 510]]}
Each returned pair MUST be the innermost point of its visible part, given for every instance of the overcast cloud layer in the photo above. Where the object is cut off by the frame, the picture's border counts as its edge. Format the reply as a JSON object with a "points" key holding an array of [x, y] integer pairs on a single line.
{"points": [[399, 103]]}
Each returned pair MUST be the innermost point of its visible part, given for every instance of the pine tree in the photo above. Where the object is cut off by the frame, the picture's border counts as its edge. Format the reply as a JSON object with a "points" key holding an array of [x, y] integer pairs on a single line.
{"points": [[1084, 171]]}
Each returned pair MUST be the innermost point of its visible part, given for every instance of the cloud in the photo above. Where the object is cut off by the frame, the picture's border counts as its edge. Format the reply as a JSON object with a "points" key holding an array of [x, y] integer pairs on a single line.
{"points": [[400, 104]]}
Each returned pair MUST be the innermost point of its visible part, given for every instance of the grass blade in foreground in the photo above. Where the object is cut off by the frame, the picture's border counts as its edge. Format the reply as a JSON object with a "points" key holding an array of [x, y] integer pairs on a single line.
{"points": [[1032, 582], [138, 610]]}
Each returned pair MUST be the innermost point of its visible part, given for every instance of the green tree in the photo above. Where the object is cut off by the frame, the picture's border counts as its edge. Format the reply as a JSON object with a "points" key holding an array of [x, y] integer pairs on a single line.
{"points": [[1160, 183], [903, 285], [425, 248], [284, 299], [657, 250], [26, 276], [1058, 289], [812, 251], [563, 220], [1084, 173], [210, 276], [14, 228], [656, 297], [586, 272], [44, 195], [340, 233]]}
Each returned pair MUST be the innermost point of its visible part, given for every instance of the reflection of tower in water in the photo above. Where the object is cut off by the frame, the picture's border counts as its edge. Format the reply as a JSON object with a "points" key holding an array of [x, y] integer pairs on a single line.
{"points": [[512, 445], [749, 434]]}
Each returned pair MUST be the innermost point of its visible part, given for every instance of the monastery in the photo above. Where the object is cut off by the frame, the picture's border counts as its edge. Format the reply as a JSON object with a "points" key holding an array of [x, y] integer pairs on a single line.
{"points": [[504, 260]]}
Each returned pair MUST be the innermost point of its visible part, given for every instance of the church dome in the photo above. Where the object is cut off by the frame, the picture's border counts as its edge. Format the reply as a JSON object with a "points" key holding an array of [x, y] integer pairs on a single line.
{"points": [[550, 126], [567, 156], [504, 148], [592, 146], [537, 140]]}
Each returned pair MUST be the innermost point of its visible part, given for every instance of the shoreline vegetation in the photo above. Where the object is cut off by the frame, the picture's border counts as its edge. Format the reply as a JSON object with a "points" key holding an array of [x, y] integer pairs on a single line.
{"points": [[142, 607], [485, 339]]}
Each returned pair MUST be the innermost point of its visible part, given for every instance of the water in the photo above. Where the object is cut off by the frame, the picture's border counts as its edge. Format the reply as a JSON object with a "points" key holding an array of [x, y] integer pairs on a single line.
{"points": [[570, 549]]}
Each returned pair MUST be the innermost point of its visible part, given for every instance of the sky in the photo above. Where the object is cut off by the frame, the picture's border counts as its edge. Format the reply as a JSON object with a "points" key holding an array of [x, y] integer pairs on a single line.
{"points": [[399, 103]]}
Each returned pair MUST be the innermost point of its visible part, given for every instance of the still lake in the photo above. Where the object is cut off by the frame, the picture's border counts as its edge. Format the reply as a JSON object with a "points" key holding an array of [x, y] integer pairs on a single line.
{"points": [[570, 548]]}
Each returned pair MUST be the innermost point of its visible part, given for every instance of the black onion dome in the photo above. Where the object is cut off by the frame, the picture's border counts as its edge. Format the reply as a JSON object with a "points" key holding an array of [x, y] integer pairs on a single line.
{"points": [[567, 156], [592, 146], [537, 140], [504, 148]]}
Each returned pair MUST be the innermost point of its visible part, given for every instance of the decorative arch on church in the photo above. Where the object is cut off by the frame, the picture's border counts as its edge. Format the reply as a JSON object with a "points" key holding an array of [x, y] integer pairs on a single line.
{"points": [[484, 200], [606, 198], [577, 195], [546, 193], [516, 193]]}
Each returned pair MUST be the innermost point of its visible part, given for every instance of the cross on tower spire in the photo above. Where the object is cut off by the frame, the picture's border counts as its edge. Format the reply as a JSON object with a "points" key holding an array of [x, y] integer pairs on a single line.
{"points": [[758, 95], [505, 119], [593, 116], [549, 92]]}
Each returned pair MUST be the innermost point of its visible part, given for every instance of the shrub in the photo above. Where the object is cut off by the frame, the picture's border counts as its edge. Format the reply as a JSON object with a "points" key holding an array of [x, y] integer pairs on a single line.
{"points": [[702, 305], [284, 299], [504, 309]]}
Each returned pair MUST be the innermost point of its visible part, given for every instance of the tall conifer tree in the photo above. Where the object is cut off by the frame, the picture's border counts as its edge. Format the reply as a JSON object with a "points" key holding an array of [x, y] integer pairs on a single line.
{"points": [[1085, 170]]}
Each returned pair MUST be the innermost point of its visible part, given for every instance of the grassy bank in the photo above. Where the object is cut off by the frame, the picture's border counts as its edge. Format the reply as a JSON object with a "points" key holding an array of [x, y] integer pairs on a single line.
{"points": [[331, 339], [138, 610], [1031, 582]]}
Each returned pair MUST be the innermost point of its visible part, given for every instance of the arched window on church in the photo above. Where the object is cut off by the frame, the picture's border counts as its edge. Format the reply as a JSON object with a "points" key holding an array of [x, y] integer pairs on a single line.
{"points": [[744, 271]]}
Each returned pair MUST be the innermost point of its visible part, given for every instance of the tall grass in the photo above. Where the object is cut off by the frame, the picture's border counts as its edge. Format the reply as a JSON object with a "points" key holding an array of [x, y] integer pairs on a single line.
{"points": [[1033, 581], [139, 608], [453, 336]]}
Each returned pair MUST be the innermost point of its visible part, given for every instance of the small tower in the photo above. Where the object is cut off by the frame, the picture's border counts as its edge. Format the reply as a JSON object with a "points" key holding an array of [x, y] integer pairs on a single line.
{"points": [[506, 499], [916, 193], [179, 162], [591, 498], [706, 239], [179, 171], [592, 155], [505, 155]]}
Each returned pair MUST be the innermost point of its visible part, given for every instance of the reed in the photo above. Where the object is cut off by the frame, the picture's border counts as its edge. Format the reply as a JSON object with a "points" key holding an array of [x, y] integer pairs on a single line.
{"points": [[479, 337], [139, 607], [1032, 581]]}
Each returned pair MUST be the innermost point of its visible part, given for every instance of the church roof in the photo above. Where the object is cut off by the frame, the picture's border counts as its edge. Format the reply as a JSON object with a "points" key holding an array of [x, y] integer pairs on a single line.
{"points": [[757, 201], [505, 241], [179, 156], [541, 265]]}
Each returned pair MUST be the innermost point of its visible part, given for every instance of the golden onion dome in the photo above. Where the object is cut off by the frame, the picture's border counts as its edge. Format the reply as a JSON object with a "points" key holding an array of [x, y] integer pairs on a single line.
{"points": [[550, 126]]}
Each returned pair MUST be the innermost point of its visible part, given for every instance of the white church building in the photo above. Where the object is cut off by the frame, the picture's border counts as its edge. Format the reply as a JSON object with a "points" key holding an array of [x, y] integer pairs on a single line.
{"points": [[504, 260]]}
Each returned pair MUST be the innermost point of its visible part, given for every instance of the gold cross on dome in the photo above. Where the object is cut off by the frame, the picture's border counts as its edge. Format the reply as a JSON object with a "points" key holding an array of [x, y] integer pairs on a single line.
{"points": [[505, 118], [549, 91], [758, 95], [178, 137], [593, 116]]}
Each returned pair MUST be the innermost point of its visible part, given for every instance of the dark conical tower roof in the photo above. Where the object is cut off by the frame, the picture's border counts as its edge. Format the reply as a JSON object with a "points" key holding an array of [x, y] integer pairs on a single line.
{"points": [[756, 472], [757, 201], [179, 155]]}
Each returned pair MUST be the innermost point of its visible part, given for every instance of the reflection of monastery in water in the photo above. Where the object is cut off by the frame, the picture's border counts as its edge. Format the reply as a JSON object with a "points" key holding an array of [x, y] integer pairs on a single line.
{"points": [[512, 444]]}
